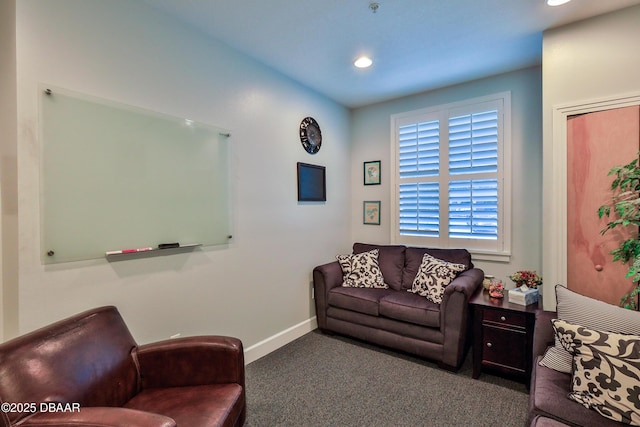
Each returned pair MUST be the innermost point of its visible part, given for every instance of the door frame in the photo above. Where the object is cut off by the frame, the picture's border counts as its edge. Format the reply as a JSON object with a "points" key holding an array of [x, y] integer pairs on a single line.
{"points": [[555, 224]]}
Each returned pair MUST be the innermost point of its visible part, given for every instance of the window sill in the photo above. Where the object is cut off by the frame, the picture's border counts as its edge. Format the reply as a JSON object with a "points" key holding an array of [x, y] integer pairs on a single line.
{"points": [[490, 256]]}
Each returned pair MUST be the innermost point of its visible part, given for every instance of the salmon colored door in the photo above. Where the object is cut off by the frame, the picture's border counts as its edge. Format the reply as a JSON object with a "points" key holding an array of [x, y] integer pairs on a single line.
{"points": [[595, 143]]}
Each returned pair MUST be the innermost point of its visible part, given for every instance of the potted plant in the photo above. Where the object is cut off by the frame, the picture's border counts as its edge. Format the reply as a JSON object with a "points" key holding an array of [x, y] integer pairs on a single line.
{"points": [[625, 207]]}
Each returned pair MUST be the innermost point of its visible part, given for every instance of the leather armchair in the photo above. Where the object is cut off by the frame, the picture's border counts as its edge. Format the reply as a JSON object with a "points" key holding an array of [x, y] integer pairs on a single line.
{"points": [[92, 368]]}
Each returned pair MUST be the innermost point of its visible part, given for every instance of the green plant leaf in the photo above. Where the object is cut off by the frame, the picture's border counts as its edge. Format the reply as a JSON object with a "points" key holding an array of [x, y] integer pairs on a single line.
{"points": [[603, 210], [624, 210]]}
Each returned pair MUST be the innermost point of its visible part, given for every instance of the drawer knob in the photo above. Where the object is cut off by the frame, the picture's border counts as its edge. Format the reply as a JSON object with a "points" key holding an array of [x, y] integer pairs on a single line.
{"points": [[503, 318], [599, 267], [489, 344]]}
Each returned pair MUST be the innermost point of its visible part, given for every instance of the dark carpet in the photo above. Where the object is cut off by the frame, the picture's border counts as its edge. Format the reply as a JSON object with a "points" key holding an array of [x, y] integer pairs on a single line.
{"points": [[321, 380]]}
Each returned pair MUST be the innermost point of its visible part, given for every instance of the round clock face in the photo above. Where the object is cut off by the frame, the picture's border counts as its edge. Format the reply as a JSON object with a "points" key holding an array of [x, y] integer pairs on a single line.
{"points": [[310, 135]]}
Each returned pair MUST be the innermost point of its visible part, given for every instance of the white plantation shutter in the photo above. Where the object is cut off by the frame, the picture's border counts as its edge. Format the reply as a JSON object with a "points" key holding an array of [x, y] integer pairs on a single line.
{"points": [[473, 143], [419, 158], [419, 149], [420, 209], [473, 209], [450, 185]]}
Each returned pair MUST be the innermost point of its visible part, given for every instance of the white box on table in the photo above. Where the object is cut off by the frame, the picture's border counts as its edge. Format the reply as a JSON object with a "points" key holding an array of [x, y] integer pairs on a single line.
{"points": [[517, 296]]}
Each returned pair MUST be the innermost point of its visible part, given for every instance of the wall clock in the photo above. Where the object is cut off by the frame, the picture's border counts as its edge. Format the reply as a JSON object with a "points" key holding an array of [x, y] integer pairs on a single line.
{"points": [[310, 135]]}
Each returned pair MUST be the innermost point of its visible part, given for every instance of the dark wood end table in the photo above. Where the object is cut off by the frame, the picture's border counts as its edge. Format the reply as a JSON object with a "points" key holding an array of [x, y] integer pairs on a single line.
{"points": [[502, 336]]}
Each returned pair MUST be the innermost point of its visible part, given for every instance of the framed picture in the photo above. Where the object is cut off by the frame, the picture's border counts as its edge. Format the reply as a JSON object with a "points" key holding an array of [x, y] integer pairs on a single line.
{"points": [[371, 212], [372, 173]]}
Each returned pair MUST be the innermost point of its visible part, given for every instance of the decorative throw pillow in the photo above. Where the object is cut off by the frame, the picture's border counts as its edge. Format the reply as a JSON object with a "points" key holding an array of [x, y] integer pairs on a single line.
{"points": [[590, 313], [606, 370], [361, 270], [433, 276]]}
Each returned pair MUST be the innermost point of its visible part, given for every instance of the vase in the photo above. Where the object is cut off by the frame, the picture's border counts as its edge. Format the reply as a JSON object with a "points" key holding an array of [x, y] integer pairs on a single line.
{"points": [[496, 291]]}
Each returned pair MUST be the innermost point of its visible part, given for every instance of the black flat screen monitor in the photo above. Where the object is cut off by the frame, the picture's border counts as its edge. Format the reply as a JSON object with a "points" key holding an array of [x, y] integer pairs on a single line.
{"points": [[312, 185]]}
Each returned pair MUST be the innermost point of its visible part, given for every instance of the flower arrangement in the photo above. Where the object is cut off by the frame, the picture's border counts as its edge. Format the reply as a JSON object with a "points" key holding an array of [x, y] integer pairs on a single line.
{"points": [[526, 277]]}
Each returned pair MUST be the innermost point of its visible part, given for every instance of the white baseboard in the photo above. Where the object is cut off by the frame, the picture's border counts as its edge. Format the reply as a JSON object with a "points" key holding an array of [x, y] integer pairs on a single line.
{"points": [[278, 340]]}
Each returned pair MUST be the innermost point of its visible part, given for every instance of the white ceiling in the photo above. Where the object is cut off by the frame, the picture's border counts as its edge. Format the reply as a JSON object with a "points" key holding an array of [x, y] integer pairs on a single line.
{"points": [[416, 45]]}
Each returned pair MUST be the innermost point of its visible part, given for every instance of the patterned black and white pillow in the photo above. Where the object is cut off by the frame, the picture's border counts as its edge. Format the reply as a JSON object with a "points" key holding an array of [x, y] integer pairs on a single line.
{"points": [[361, 270], [606, 370], [590, 313], [433, 276]]}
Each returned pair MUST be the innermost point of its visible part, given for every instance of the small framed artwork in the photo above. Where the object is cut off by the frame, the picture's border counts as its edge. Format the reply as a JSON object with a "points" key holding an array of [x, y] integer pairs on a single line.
{"points": [[372, 173], [371, 212]]}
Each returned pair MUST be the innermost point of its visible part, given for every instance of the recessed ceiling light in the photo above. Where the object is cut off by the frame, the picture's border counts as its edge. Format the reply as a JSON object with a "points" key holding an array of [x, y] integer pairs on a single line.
{"points": [[363, 62], [557, 2]]}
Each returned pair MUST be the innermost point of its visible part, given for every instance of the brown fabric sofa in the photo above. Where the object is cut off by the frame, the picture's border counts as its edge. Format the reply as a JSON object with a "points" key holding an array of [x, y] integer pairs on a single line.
{"points": [[87, 370], [394, 317], [549, 388]]}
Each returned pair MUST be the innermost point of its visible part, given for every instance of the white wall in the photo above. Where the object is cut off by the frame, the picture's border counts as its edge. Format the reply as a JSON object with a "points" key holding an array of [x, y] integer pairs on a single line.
{"points": [[589, 62], [371, 138], [129, 53], [8, 173]]}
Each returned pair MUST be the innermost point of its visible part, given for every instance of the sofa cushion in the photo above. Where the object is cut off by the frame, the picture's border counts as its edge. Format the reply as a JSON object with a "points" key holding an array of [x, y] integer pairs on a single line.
{"points": [[413, 260], [362, 300], [204, 405], [390, 259], [433, 276], [408, 307], [606, 370], [351, 321], [100, 416], [590, 313], [361, 270]]}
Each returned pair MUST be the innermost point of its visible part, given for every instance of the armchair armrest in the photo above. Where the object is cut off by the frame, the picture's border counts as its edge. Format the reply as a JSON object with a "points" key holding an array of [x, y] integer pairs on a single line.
{"points": [[100, 416], [191, 361], [325, 277], [455, 316]]}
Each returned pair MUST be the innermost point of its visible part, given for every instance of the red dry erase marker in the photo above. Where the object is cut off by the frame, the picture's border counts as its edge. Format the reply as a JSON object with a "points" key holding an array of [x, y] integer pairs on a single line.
{"points": [[128, 251]]}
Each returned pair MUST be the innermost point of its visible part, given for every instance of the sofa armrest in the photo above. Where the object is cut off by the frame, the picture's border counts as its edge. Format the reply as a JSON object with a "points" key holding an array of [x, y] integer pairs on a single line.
{"points": [[191, 361], [543, 335], [325, 278], [455, 316], [99, 416], [466, 282]]}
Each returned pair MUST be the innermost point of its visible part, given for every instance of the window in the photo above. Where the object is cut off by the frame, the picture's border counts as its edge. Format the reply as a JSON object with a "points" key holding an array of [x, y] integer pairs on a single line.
{"points": [[451, 181]]}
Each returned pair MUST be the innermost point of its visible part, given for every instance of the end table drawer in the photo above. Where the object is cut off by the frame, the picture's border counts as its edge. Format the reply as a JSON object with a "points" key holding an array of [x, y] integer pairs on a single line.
{"points": [[506, 318], [505, 348]]}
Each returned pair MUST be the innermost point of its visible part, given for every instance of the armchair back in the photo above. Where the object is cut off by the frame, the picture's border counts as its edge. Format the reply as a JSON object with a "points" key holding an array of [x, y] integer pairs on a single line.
{"points": [[85, 359]]}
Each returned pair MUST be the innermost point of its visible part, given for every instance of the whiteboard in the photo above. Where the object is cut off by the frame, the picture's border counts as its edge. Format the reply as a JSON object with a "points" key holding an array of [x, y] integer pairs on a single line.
{"points": [[118, 177]]}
